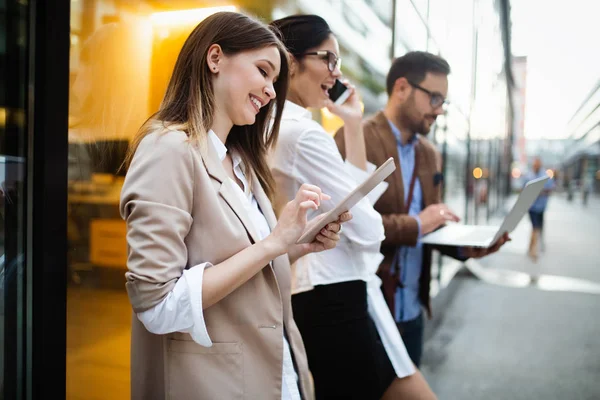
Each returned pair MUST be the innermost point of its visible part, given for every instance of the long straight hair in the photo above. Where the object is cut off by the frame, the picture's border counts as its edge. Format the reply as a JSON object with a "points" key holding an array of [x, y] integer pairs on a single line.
{"points": [[189, 101]]}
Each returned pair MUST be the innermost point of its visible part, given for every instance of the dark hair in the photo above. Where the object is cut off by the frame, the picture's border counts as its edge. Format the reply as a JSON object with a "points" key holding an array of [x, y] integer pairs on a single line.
{"points": [[414, 66], [302, 32], [189, 102]]}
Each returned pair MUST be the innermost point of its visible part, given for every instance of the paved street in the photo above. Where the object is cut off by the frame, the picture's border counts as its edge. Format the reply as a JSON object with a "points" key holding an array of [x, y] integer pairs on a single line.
{"points": [[496, 335]]}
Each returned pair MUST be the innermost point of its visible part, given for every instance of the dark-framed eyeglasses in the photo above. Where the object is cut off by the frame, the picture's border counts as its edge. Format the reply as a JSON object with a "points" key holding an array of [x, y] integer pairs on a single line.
{"points": [[435, 99], [332, 59]]}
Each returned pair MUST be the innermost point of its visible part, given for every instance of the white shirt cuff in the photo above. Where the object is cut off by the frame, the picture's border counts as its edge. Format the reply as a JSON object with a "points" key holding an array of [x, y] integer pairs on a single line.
{"points": [[181, 310], [418, 223], [193, 278], [360, 176]]}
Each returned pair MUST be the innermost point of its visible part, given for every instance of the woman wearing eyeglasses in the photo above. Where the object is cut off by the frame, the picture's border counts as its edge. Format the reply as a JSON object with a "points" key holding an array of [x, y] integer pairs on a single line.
{"points": [[353, 346]]}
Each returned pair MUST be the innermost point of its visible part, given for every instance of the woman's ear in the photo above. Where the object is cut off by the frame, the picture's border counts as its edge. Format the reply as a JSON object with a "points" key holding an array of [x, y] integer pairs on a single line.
{"points": [[293, 66], [214, 57]]}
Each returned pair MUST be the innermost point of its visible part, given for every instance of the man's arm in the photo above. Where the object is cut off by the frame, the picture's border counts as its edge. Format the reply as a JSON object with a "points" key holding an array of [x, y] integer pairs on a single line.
{"points": [[400, 230], [549, 187], [404, 230]]}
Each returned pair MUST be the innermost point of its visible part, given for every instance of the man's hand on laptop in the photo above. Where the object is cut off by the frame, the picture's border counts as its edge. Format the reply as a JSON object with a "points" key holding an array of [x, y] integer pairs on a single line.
{"points": [[478, 252], [434, 216]]}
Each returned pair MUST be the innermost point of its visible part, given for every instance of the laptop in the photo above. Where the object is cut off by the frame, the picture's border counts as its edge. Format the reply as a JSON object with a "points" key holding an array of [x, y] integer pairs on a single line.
{"points": [[486, 236]]}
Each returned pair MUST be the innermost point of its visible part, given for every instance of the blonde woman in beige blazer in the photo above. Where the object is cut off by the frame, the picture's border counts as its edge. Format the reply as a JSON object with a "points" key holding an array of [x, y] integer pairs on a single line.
{"points": [[209, 266]]}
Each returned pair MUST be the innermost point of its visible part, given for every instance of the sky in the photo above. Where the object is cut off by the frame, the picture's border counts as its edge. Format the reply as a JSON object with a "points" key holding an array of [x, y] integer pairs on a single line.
{"points": [[562, 44]]}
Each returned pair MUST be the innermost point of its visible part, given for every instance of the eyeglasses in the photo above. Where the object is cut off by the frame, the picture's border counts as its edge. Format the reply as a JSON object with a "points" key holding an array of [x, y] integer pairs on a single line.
{"points": [[332, 59], [435, 99]]}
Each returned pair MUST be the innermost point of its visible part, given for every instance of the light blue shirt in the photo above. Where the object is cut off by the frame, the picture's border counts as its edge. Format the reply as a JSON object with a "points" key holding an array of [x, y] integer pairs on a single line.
{"points": [[410, 259], [539, 205]]}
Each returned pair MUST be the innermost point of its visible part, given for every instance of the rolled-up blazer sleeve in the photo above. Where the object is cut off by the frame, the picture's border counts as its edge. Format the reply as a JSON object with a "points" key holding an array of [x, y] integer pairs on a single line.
{"points": [[156, 203]]}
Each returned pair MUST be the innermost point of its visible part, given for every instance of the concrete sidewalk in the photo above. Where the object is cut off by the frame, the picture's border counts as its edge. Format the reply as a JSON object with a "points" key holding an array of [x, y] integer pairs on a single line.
{"points": [[572, 242], [496, 336]]}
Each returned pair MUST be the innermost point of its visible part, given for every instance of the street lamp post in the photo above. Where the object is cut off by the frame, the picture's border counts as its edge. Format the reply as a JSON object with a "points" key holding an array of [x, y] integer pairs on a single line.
{"points": [[393, 45]]}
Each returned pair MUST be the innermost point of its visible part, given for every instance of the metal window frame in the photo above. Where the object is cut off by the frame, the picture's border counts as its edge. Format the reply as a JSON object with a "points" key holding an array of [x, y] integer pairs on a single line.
{"points": [[46, 269]]}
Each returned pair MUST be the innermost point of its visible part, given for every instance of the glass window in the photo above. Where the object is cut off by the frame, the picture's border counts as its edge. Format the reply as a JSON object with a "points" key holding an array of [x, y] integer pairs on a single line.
{"points": [[421, 6], [108, 101], [410, 29], [13, 145], [382, 9]]}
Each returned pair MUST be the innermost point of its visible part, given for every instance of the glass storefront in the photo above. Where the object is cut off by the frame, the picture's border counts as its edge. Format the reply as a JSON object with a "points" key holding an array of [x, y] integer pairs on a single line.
{"points": [[108, 100], [33, 99], [13, 192]]}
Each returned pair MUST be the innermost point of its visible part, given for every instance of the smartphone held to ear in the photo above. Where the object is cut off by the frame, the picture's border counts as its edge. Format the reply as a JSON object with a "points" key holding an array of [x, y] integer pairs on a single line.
{"points": [[339, 93]]}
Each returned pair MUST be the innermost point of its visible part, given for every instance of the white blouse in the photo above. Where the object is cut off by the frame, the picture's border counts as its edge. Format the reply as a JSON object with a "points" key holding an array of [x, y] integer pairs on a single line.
{"points": [[305, 153], [181, 310]]}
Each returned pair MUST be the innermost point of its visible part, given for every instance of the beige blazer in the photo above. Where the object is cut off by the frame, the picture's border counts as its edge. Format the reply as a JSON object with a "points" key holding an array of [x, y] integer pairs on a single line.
{"points": [[181, 211]]}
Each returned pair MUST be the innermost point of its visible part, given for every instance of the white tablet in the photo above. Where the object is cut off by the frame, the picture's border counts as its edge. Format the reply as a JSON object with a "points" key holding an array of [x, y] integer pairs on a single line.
{"points": [[315, 225]]}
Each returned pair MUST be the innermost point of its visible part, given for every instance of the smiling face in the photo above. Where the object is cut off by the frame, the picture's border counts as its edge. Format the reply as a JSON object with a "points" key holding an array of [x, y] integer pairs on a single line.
{"points": [[311, 78], [416, 113], [242, 84]]}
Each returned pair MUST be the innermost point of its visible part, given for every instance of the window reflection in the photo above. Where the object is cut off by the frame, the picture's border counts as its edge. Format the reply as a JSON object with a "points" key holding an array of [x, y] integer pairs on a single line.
{"points": [[108, 101], [14, 197]]}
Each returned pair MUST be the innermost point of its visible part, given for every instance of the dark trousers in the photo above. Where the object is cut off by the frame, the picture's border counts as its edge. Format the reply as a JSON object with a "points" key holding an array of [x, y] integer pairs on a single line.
{"points": [[537, 219], [412, 336]]}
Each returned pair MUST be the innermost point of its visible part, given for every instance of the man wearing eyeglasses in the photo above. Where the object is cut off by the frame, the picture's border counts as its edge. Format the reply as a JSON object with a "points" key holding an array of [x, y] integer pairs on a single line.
{"points": [[417, 86]]}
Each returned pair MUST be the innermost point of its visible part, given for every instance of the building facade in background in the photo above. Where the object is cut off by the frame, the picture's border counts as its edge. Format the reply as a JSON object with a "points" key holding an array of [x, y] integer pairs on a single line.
{"points": [[519, 151], [580, 165]]}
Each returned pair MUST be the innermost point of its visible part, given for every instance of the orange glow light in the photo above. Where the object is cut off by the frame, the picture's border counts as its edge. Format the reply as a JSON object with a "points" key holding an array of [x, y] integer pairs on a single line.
{"points": [[477, 173], [192, 16]]}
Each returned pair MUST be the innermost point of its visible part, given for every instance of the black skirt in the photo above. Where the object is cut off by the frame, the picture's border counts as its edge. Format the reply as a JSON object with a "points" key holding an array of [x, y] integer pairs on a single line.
{"points": [[345, 354]]}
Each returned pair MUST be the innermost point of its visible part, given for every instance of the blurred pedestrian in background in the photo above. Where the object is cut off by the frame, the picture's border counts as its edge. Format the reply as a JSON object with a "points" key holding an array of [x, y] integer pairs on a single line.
{"points": [[536, 211]]}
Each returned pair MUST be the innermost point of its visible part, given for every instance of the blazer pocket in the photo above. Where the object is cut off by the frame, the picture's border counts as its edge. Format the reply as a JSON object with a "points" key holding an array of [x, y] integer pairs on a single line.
{"points": [[189, 346], [198, 372]]}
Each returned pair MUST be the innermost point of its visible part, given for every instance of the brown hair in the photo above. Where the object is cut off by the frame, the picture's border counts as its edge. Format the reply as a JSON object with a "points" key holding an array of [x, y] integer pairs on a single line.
{"points": [[414, 66], [189, 102]]}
